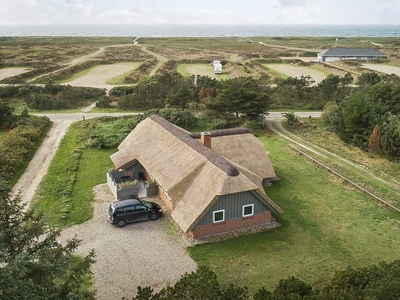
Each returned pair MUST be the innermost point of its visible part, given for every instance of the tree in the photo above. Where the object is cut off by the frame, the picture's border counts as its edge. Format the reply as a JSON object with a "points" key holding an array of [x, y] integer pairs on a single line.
{"points": [[380, 282], [6, 115], [346, 80], [291, 118], [181, 98], [240, 95], [299, 85], [33, 265], [390, 140], [328, 88], [368, 79], [201, 284], [356, 113], [374, 142]]}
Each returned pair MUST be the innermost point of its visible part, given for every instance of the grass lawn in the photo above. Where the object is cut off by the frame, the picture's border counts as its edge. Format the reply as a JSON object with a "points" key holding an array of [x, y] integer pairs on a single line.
{"points": [[65, 194], [326, 226], [313, 130]]}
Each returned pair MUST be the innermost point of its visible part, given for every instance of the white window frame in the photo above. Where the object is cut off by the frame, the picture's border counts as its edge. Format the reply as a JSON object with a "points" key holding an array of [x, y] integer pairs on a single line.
{"points": [[252, 210], [223, 215]]}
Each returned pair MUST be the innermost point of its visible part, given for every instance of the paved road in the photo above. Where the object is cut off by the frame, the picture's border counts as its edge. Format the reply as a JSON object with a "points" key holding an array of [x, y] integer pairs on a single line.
{"points": [[313, 114], [79, 116]]}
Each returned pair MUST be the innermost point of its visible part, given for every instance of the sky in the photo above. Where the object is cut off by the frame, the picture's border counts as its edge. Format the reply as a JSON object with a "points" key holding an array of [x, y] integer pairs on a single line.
{"points": [[27, 12]]}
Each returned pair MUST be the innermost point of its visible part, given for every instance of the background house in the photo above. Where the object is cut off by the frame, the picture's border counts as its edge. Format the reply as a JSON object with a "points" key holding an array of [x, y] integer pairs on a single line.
{"points": [[333, 54], [212, 182]]}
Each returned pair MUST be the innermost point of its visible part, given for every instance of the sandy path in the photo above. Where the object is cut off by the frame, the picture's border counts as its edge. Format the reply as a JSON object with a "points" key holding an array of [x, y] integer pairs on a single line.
{"points": [[296, 71], [305, 59], [98, 76], [383, 68], [10, 72], [40, 162]]}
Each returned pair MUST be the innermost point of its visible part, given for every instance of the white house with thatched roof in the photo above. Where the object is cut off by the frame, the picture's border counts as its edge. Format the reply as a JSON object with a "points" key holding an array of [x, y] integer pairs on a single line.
{"points": [[212, 182]]}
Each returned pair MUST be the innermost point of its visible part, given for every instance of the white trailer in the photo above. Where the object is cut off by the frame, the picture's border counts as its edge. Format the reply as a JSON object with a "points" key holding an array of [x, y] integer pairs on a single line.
{"points": [[217, 67]]}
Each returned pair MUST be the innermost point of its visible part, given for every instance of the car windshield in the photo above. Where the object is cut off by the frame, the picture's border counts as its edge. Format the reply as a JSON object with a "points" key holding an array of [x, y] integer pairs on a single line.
{"points": [[147, 204]]}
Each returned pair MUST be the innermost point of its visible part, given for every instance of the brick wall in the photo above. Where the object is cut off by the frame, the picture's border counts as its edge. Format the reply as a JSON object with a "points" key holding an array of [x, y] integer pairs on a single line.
{"points": [[229, 225], [165, 199]]}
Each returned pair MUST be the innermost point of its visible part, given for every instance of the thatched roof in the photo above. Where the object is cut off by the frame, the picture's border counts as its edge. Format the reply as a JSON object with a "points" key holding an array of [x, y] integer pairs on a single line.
{"points": [[192, 174], [245, 150]]}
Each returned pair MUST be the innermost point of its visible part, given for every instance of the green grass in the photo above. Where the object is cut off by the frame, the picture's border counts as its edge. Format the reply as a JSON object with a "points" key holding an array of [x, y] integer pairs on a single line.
{"points": [[326, 226], [313, 131], [3, 132], [65, 194]]}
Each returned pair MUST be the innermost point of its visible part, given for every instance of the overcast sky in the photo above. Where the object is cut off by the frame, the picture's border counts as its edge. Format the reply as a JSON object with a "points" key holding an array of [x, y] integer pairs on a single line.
{"points": [[199, 12]]}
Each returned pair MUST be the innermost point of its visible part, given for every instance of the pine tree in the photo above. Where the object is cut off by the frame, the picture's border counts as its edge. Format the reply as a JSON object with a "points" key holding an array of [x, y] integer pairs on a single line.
{"points": [[33, 265]]}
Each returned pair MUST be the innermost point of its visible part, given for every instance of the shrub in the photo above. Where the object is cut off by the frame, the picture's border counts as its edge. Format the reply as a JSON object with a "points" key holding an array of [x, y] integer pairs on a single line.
{"points": [[109, 132], [178, 116], [18, 146]]}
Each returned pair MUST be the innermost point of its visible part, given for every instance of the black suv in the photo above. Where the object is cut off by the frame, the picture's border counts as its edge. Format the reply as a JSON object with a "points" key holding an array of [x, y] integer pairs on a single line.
{"points": [[132, 210]]}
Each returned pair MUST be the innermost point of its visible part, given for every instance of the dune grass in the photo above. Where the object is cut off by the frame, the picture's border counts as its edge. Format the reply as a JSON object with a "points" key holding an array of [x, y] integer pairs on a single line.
{"points": [[326, 226]]}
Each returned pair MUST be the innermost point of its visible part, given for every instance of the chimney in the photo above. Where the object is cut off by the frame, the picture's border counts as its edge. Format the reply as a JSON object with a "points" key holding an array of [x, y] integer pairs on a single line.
{"points": [[206, 139]]}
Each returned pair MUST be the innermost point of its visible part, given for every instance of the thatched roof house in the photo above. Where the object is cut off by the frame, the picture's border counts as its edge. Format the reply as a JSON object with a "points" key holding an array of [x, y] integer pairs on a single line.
{"points": [[211, 182]]}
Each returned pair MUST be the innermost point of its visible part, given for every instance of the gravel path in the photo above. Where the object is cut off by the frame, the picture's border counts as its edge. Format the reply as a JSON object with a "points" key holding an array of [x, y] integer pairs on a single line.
{"points": [[140, 254], [383, 68]]}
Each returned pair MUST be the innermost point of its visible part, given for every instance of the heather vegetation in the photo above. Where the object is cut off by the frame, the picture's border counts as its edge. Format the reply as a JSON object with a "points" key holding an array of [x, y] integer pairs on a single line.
{"points": [[51, 96], [25, 133]]}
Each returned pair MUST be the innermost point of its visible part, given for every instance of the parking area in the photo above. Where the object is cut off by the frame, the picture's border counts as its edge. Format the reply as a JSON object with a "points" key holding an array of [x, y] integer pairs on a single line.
{"points": [[140, 254]]}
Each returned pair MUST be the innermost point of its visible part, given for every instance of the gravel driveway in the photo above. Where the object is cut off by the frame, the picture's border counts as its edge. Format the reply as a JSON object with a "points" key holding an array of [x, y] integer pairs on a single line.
{"points": [[140, 254]]}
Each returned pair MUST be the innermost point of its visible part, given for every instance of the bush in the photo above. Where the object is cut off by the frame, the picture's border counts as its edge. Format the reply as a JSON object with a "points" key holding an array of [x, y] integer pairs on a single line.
{"points": [[178, 116], [52, 97], [110, 131], [18, 146]]}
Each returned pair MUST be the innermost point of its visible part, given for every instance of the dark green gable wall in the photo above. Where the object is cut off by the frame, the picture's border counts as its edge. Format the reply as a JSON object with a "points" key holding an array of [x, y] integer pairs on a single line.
{"points": [[233, 205]]}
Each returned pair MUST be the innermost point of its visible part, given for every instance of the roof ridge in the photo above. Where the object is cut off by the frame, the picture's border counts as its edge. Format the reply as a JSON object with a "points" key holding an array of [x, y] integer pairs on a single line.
{"points": [[216, 159], [223, 132]]}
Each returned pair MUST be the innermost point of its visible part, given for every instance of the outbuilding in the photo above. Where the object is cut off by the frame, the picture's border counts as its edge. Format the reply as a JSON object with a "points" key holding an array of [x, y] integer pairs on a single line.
{"points": [[333, 54]]}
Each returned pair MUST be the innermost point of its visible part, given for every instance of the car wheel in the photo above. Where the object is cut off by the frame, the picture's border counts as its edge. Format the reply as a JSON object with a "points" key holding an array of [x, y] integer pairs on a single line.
{"points": [[154, 217], [121, 223]]}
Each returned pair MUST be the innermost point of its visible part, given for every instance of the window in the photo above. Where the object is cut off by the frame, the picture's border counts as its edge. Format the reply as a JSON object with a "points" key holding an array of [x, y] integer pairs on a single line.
{"points": [[218, 216], [140, 208], [129, 209], [248, 210]]}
